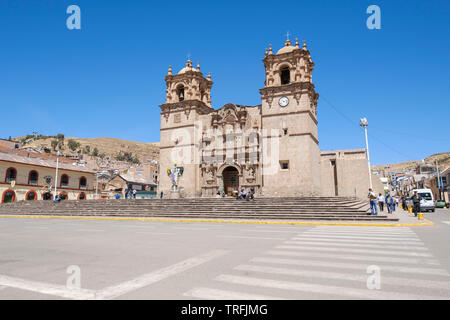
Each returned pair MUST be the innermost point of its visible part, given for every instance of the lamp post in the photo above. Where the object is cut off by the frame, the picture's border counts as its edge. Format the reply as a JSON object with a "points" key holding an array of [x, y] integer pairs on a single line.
{"points": [[56, 177], [363, 123]]}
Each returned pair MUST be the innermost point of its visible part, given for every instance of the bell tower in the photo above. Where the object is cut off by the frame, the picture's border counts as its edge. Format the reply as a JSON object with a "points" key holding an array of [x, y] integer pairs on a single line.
{"points": [[188, 97], [289, 119]]}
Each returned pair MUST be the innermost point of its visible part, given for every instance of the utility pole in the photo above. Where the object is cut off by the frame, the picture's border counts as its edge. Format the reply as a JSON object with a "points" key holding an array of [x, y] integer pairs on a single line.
{"points": [[363, 123], [438, 180], [56, 177], [96, 186]]}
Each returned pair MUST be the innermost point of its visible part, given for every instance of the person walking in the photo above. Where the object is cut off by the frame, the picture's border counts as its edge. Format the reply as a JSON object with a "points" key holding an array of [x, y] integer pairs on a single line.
{"points": [[416, 203], [373, 202], [161, 195], [391, 204], [381, 202], [134, 193], [404, 205]]}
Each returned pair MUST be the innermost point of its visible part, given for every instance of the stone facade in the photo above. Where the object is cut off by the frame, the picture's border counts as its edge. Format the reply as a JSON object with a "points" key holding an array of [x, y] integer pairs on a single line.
{"points": [[272, 147]]}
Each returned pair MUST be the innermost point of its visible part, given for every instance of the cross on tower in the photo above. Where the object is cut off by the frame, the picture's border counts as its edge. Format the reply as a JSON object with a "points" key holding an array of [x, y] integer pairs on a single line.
{"points": [[287, 35], [189, 56]]}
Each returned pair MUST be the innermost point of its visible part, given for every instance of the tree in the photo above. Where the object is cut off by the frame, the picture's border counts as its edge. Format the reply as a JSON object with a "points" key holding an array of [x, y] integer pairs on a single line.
{"points": [[95, 152], [54, 144], [87, 149], [73, 145]]}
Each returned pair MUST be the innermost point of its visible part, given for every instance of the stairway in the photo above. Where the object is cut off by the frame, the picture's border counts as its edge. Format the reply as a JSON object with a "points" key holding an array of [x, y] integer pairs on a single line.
{"points": [[284, 208]]}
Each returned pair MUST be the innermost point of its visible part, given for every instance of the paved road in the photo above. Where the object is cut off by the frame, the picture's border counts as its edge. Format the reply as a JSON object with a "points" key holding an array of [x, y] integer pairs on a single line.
{"points": [[173, 260]]}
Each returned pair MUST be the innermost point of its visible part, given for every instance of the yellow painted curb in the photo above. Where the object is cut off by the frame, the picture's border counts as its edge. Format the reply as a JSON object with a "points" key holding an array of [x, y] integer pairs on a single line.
{"points": [[428, 223]]}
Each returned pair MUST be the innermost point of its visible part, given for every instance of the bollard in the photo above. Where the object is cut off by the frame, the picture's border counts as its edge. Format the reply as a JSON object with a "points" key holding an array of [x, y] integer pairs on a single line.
{"points": [[409, 210], [420, 216]]}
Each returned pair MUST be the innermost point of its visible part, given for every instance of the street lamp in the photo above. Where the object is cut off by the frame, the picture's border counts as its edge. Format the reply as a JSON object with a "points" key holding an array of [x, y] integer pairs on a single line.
{"points": [[363, 123], [56, 177]]}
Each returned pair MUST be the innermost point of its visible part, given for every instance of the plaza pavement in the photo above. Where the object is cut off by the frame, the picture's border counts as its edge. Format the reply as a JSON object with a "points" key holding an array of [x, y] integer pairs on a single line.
{"points": [[127, 259]]}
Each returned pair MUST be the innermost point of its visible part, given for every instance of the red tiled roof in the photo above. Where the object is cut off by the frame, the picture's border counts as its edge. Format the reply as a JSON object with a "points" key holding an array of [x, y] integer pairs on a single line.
{"points": [[42, 162]]}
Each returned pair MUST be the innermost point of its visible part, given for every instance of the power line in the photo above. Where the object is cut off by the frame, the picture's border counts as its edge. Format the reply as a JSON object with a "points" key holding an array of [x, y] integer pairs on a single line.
{"points": [[357, 124]]}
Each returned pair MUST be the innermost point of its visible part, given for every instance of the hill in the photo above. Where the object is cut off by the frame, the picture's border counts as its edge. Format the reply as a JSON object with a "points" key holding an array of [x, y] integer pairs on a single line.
{"points": [[105, 147], [442, 158]]}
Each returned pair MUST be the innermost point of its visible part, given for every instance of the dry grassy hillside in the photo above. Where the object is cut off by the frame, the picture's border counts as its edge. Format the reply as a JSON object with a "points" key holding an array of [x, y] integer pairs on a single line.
{"points": [[109, 147], [443, 159]]}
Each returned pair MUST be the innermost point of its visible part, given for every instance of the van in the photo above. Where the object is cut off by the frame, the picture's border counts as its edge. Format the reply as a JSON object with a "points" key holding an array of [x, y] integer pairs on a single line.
{"points": [[427, 203]]}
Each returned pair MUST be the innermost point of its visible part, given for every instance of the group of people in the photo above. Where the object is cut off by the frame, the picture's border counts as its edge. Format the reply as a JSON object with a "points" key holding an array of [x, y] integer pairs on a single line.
{"points": [[130, 193], [391, 202], [240, 195], [380, 201]]}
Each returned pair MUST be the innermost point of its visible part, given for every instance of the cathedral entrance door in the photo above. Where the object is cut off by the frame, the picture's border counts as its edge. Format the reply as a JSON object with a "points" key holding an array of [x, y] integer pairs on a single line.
{"points": [[230, 180]]}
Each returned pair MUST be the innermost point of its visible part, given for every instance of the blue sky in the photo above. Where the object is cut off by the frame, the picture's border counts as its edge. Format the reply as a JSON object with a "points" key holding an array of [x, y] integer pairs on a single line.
{"points": [[107, 79]]}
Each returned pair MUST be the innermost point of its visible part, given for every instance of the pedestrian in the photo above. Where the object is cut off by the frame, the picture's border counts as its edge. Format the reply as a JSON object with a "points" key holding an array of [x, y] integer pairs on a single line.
{"points": [[243, 194], [381, 202], [161, 195], [117, 196], [404, 205], [252, 193], [391, 204], [134, 193], [393, 201], [373, 202], [387, 201], [416, 203]]}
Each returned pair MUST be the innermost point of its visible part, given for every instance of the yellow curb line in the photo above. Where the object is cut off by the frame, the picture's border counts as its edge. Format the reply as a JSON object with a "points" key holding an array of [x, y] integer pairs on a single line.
{"points": [[429, 223]]}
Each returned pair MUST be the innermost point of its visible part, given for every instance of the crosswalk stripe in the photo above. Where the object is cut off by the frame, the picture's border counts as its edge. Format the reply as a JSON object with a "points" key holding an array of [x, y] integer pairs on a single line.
{"points": [[216, 294], [350, 250], [380, 235], [322, 289], [46, 288], [368, 228], [358, 245], [361, 277], [354, 257], [324, 239], [359, 237], [352, 266], [157, 275], [250, 237], [365, 229], [359, 230]]}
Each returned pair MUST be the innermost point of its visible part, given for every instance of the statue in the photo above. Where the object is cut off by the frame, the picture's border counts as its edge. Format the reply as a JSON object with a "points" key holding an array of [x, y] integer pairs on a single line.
{"points": [[174, 174]]}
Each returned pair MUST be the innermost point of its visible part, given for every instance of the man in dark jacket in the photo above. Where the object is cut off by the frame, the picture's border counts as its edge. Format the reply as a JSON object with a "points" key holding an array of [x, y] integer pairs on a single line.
{"points": [[416, 203]]}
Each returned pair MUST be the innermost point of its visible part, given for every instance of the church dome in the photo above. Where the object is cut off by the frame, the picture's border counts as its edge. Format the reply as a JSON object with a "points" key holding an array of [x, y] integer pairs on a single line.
{"points": [[288, 48], [188, 68]]}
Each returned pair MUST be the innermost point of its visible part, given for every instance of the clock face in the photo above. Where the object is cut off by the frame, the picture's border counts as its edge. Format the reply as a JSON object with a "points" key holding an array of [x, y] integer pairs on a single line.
{"points": [[284, 101]]}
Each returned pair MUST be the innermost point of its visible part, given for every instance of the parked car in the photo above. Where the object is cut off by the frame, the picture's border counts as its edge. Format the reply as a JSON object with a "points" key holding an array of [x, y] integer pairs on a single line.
{"points": [[440, 204], [427, 203]]}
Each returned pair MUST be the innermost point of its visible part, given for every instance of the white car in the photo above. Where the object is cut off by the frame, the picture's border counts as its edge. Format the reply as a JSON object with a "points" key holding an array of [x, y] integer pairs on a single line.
{"points": [[427, 203]]}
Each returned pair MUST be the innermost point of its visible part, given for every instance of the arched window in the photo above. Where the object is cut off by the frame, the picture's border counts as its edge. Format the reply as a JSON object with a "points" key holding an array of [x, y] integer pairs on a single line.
{"points": [[63, 196], [11, 175], [47, 196], [31, 195], [83, 183], [8, 196], [82, 196], [285, 75], [64, 180], [33, 178], [180, 93]]}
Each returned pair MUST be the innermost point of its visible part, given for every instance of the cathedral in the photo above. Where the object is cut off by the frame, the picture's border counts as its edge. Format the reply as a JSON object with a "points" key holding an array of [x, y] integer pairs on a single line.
{"points": [[272, 147]]}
